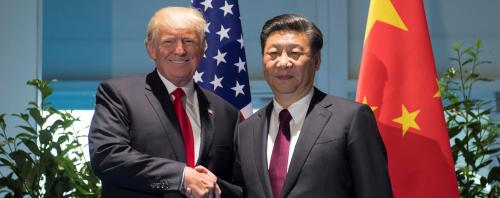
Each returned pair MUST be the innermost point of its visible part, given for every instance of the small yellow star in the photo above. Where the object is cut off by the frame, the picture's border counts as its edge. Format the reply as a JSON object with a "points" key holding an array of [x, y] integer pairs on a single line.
{"points": [[438, 93], [384, 11], [366, 102], [407, 119]]}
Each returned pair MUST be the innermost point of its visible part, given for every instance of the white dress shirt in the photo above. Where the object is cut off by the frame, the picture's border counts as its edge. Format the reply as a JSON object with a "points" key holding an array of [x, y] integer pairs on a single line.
{"points": [[298, 110], [190, 104]]}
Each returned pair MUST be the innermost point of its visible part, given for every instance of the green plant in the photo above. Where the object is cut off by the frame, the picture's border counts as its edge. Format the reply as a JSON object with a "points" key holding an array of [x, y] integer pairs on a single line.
{"points": [[473, 135], [44, 158]]}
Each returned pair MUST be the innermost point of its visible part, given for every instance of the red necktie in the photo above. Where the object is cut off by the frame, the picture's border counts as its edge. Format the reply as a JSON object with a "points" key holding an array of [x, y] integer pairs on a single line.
{"points": [[187, 131], [279, 157]]}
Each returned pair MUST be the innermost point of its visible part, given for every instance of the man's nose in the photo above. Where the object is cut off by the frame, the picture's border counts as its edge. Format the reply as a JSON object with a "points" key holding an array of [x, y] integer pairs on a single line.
{"points": [[284, 60], [179, 48]]}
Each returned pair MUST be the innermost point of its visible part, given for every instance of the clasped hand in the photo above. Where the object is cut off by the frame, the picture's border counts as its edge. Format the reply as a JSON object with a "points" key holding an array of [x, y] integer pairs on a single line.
{"points": [[199, 182]]}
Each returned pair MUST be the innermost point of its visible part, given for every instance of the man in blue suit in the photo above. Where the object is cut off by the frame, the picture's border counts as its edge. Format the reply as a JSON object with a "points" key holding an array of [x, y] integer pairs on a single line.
{"points": [[161, 135], [306, 143]]}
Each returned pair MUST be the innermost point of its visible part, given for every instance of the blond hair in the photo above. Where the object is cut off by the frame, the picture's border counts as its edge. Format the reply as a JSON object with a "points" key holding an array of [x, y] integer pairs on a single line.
{"points": [[176, 17]]}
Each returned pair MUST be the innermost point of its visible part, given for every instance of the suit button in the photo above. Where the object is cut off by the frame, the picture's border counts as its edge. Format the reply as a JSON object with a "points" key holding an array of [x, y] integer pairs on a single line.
{"points": [[164, 184]]}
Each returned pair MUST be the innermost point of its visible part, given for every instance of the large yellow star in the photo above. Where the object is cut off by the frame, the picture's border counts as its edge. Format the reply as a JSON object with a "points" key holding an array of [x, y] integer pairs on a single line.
{"points": [[366, 103], [384, 11], [407, 119]]}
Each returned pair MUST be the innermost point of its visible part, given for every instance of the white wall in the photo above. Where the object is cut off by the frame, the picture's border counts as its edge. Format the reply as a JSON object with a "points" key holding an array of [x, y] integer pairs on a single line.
{"points": [[18, 53]]}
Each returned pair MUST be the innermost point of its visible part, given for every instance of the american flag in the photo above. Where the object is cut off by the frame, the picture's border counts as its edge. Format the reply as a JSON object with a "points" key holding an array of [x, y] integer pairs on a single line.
{"points": [[223, 69]]}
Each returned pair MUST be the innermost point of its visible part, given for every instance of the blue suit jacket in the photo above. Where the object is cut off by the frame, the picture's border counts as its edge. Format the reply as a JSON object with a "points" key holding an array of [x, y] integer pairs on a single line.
{"points": [[136, 146], [339, 153]]}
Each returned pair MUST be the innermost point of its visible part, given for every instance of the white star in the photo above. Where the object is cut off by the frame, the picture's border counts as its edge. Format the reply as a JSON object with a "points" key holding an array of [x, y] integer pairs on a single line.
{"points": [[241, 65], [217, 82], [220, 57], [241, 41], [223, 33], [205, 50], [227, 8], [238, 89], [207, 4], [207, 28], [197, 76]]}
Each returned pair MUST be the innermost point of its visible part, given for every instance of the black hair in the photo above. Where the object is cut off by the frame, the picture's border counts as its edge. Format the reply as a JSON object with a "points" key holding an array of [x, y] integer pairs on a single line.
{"points": [[292, 22]]}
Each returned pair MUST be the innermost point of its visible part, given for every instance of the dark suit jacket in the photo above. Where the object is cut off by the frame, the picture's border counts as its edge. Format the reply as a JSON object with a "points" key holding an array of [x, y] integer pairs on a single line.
{"points": [[339, 153], [136, 147]]}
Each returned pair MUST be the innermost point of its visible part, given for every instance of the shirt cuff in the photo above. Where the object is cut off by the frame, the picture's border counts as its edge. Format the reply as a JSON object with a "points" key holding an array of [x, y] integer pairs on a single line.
{"points": [[181, 184]]}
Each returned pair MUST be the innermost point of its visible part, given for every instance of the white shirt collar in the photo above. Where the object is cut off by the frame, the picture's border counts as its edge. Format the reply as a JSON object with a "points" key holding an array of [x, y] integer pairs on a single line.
{"points": [[188, 89], [298, 109]]}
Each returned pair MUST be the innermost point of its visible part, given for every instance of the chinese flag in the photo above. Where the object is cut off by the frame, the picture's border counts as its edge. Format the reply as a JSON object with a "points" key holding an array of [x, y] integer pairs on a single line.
{"points": [[398, 81]]}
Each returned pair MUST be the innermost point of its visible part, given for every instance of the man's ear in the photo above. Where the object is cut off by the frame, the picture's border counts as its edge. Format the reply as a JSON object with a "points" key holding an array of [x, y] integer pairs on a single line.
{"points": [[317, 60], [203, 46], [151, 50]]}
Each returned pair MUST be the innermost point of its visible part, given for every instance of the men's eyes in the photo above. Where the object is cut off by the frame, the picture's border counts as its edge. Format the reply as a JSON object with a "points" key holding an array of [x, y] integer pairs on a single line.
{"points": [[273, 53], [173, 41], [293, 54], [188, 41], [168, 42]]}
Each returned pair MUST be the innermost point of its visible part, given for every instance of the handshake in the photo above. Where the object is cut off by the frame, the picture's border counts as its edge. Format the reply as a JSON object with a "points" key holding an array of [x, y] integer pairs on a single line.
{"points": [[199, 182]]}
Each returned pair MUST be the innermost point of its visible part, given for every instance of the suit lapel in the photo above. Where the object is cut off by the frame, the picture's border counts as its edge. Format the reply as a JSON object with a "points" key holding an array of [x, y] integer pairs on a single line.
{"points": [[260, 132], [207, 119], [160, 100], [316, 119]]}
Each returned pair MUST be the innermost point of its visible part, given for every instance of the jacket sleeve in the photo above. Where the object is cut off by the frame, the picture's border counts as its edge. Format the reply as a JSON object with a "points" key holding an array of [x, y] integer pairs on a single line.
{"points": [[367, 156], [233, 188], [113, 158]]}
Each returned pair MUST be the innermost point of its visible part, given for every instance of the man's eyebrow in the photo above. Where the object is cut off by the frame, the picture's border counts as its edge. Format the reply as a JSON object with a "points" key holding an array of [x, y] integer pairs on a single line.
{"points": [[277, 45]]}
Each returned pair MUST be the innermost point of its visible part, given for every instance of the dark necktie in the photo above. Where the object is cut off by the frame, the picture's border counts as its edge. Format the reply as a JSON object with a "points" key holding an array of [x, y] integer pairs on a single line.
{"points": [[187, 131], [279, 157]]}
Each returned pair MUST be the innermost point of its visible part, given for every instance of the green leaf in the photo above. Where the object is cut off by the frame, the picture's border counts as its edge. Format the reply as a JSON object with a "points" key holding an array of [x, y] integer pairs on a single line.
{"points": [[42, 86], [471, 53], [477, 43], [452, 71], [23, 163], [484, 62], [484, 79], [3, 143], [454, 131], [25, 136], [456, 47], [485, 112], [494, 174], [56, 125], [45, 137], [37, 116], [2, 121], [67, 149], [32, 147], [483, 164], [62, 139], [23, 116], [467, 61], [472, 76], [6, 162], [28, 129], [33, 104]]}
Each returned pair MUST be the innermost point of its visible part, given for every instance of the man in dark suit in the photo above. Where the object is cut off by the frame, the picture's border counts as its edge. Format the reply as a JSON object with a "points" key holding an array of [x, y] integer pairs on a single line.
{"points": [[306, 143], [160, 135]]}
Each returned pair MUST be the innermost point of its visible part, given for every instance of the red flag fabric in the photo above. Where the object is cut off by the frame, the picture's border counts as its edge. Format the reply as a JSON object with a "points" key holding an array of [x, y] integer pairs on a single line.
{"points": [[398, 81]]}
